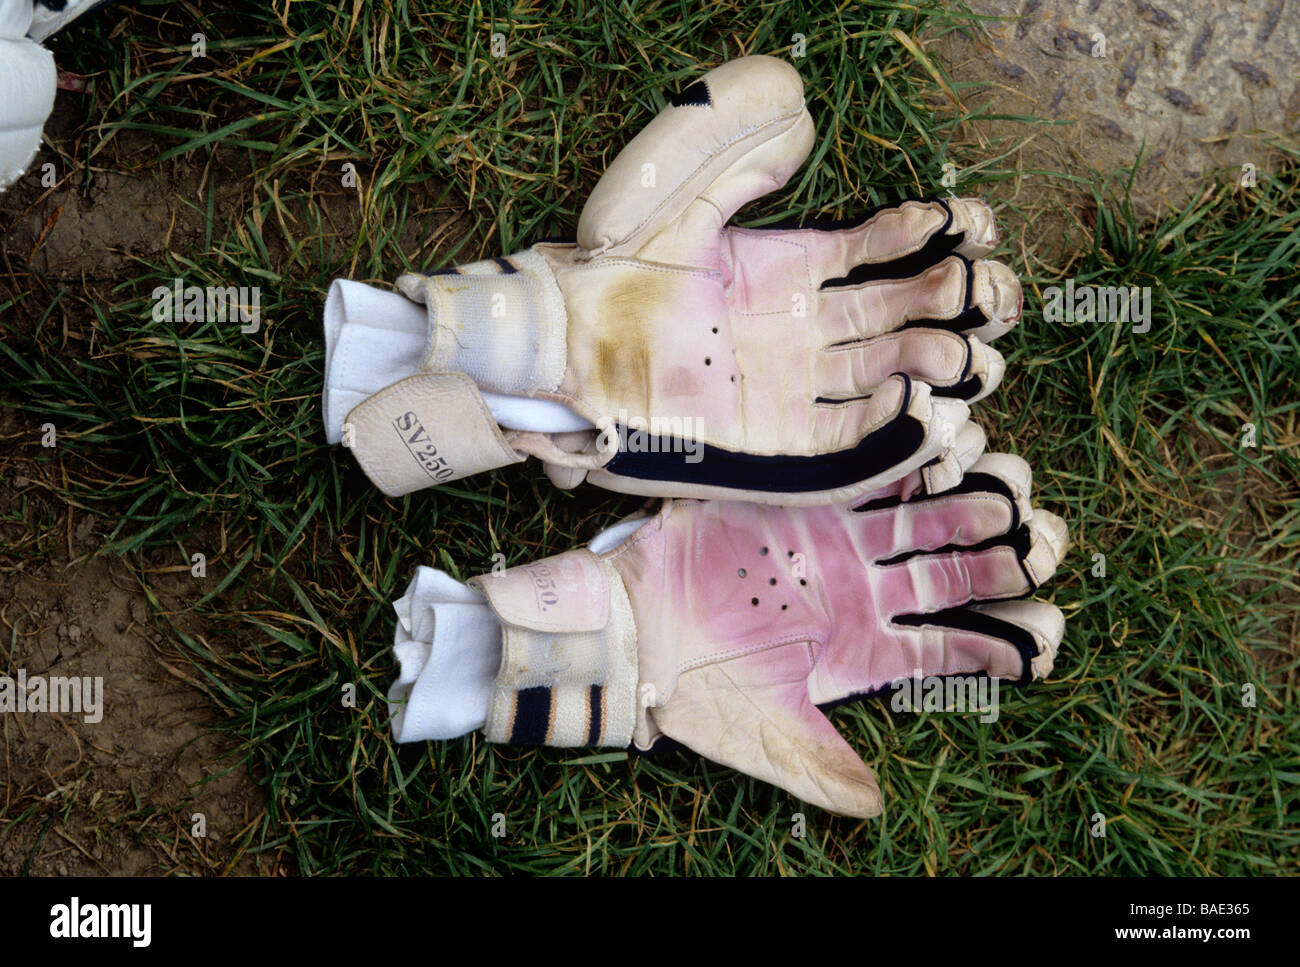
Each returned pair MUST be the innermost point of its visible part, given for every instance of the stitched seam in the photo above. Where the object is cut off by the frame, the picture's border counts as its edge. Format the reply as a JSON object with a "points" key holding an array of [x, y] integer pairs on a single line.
{"points": [[960, 499], [767, 645], [808, 281], [605, 261]]}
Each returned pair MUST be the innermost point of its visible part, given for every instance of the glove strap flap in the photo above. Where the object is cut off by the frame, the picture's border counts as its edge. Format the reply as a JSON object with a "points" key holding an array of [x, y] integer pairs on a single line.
{"points": [[569, 659], [425, 430]]}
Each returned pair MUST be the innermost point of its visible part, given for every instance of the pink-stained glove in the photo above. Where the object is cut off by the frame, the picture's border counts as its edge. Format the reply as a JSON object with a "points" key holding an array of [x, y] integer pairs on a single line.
{"points": [[795, 367], [725, 625]]}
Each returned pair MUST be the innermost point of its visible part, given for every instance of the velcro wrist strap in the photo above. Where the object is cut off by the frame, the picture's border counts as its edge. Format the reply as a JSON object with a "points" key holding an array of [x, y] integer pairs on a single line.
{"points": [[425, 430], [569, 659]]}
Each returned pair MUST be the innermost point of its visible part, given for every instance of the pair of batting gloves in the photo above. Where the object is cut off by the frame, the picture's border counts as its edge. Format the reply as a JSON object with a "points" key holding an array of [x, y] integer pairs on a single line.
{"points": [[831, 527]]}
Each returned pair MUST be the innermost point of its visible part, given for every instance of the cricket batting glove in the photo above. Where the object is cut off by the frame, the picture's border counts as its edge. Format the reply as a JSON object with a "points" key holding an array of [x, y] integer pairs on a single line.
{"points": [[730, 627], [666, 353]]}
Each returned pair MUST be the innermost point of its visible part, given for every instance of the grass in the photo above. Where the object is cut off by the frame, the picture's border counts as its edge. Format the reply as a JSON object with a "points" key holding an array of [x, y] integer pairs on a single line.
{"points": [[196, 438]]}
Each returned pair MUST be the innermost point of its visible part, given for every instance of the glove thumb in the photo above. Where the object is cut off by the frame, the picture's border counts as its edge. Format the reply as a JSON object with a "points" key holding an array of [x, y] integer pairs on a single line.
{"points": [[754, 715], [737, 133]]}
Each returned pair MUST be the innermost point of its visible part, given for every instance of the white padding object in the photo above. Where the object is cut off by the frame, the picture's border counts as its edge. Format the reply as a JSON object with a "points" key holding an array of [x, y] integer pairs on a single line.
{"points": [[448, 644], [28, 81]]}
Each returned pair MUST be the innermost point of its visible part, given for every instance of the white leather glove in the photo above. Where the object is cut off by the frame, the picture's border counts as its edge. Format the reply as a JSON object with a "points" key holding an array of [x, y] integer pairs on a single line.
{"points": [[794, 367]]}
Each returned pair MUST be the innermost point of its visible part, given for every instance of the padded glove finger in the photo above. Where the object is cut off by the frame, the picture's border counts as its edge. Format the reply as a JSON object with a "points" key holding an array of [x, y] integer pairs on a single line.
{"points": [[941, 474], [991, 502], [951, 364], [979, 298], [904, 264], [1008, 566]]}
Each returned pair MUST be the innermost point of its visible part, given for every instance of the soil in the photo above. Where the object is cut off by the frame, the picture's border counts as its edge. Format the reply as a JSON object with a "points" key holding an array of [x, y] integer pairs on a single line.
{"points": [[1179, 90], [119, 796]]}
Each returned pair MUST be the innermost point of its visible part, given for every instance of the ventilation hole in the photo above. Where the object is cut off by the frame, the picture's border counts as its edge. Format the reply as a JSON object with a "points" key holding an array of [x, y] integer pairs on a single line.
{"points": [[804, 582], [772, 581], [762, 550], [754, 602], [789, 553], [733, 379], [741, 572], [708, 361], [715, 330], [784, 606]]}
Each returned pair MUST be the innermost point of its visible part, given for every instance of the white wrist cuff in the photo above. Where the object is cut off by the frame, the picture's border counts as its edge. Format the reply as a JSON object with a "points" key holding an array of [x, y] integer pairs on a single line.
{"points": [[375, 338], [372, 339], [448, 646]]}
